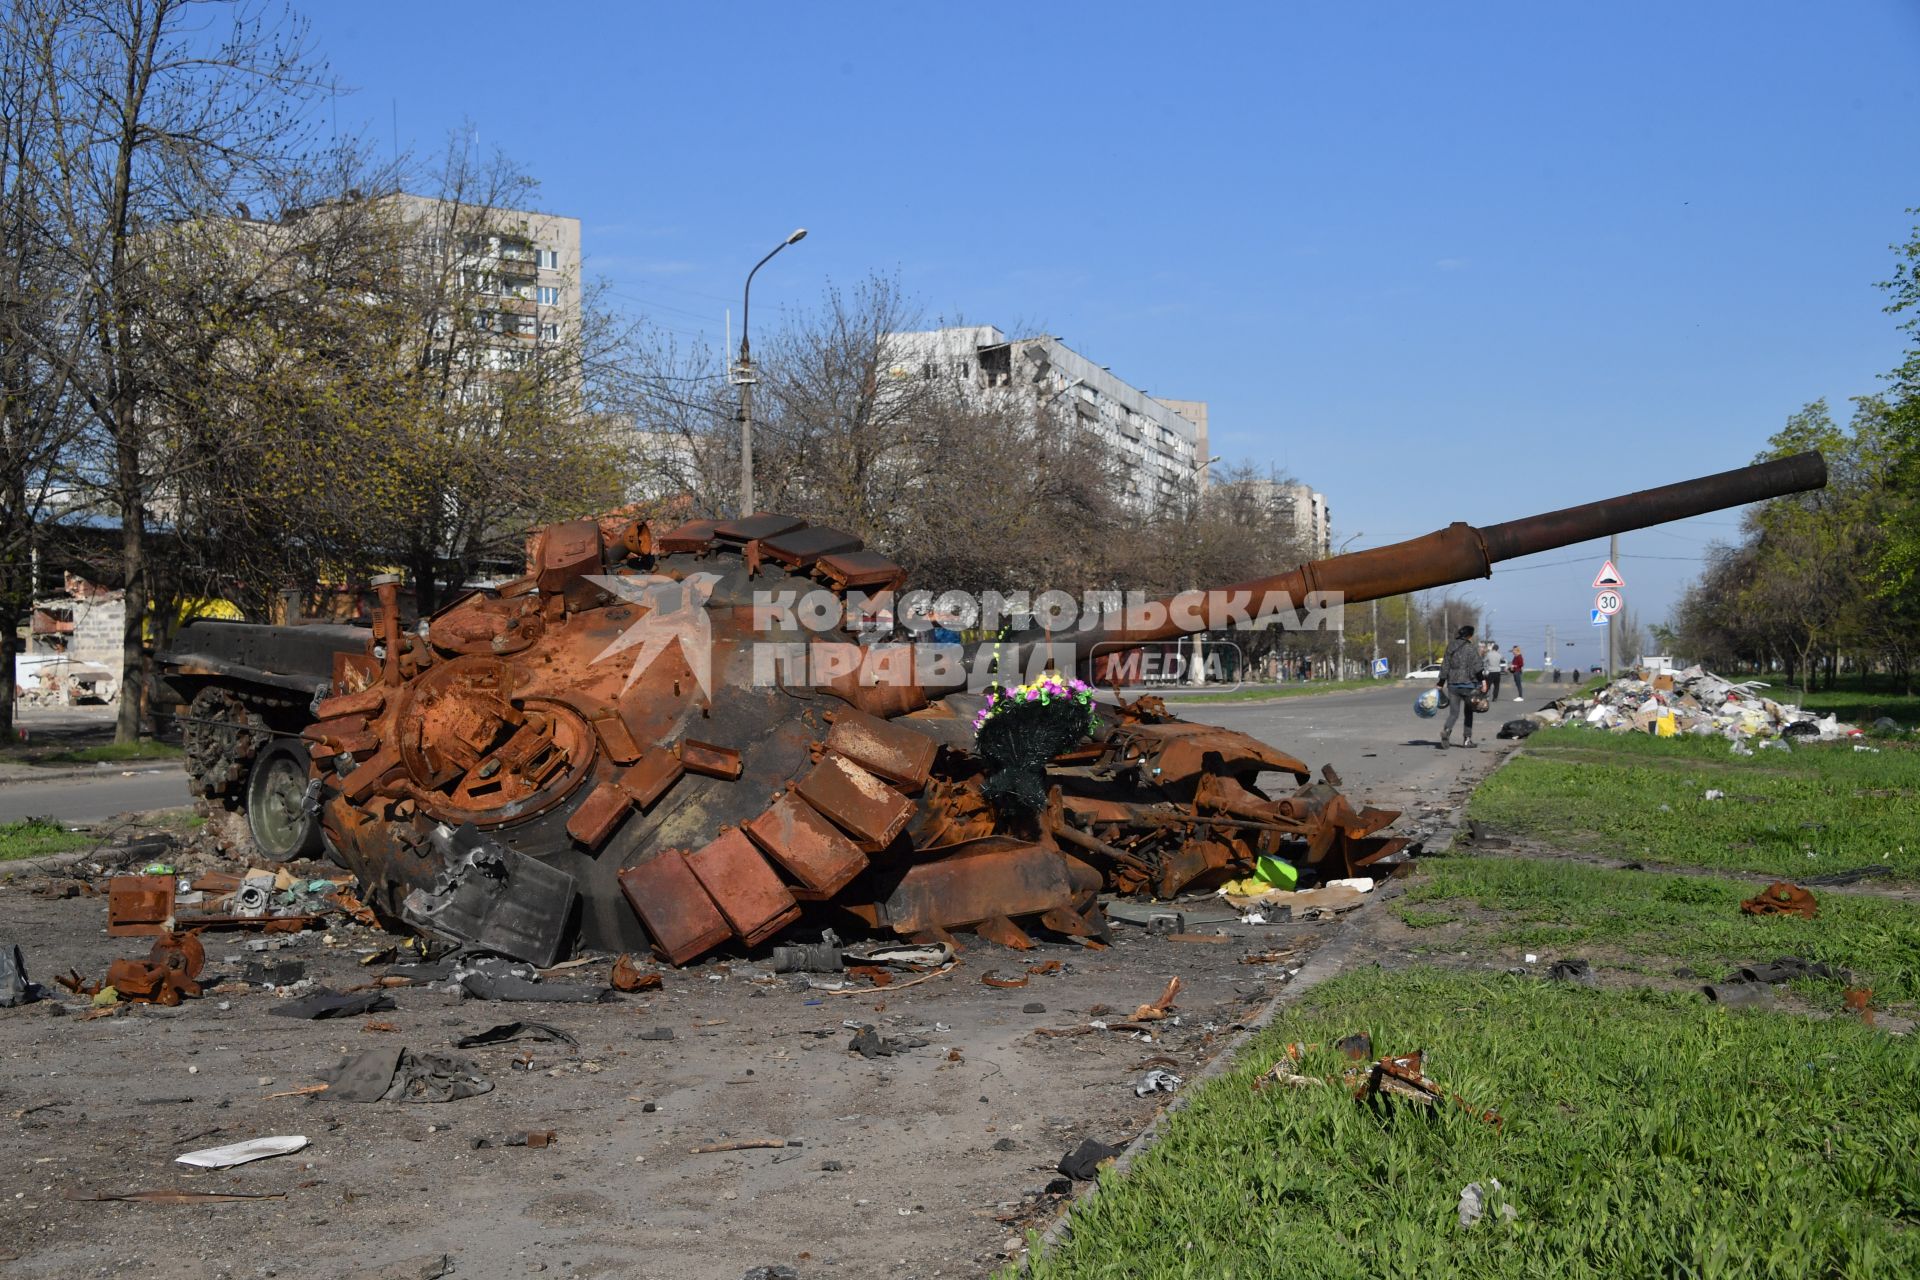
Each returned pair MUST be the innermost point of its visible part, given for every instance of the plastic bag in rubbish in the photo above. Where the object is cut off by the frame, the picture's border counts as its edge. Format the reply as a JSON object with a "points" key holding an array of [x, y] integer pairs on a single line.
{"points": [[15, 987]]}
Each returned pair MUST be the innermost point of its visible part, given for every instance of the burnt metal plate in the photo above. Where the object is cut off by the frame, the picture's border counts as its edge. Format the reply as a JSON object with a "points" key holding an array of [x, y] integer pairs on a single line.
{"points": [[694, 535], [746, 889], [811, 849], [896, 753], [750, 528], [139, 906], [705, 758], [650, 779], [665, 894], [600, 815], [999, 877], [801, 547], [859, 569], [872, 812]]}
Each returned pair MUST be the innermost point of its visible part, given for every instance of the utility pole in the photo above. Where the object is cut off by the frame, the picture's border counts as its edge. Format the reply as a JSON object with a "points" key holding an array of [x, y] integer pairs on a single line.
{"points": [[1407, 618], [1375, 666], [1613, 554], [1551, 655], [743, 378]]}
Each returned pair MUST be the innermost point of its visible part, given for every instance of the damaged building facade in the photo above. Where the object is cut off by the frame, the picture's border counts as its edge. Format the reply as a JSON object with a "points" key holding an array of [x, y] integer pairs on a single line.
{"points": [[1163, 450]]}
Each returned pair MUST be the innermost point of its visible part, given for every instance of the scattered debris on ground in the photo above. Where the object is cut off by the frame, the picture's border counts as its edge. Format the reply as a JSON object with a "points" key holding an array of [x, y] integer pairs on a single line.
{"points": [[1693, 701]]}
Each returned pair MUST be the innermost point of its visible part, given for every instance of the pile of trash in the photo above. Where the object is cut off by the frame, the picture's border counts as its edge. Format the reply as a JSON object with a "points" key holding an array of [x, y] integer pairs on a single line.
{"points": [[1693, 701]]}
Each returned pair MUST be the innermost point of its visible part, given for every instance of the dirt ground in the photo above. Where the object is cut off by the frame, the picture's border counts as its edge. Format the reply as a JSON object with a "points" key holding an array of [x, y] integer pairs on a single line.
{"points": [[927, 1163], [932, 1162]]}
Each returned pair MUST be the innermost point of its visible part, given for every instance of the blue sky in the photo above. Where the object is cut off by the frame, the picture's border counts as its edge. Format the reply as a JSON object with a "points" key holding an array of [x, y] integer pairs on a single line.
{"points": [[1440, 261]]}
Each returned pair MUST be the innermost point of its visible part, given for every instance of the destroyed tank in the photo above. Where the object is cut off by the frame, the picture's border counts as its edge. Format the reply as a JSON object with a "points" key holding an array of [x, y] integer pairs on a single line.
{"points": [[627, 748]]}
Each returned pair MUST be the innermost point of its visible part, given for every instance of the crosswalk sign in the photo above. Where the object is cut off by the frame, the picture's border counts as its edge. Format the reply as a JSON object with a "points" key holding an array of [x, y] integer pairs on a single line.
{"points": [[1608, 577], [1599, 618], [1379, 666]]}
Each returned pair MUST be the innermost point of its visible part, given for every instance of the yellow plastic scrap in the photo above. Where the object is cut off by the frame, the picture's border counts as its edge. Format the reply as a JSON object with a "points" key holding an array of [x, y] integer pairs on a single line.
{"points": [[1663, 727], [106, 996]]}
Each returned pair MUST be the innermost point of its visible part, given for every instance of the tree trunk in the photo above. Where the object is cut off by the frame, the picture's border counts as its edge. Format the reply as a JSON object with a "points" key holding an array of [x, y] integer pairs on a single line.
{"points": [[133, 649], [426, 590], [9, 646], [16, 601]]}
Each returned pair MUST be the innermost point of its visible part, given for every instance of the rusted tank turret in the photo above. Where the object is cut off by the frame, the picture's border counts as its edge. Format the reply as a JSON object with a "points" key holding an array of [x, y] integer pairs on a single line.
{"points": [[630, 747]]}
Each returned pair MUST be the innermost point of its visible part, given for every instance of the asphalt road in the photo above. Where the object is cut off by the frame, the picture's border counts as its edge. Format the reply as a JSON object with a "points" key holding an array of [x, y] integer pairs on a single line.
{"points": [[87, 797], [1383, 752]]}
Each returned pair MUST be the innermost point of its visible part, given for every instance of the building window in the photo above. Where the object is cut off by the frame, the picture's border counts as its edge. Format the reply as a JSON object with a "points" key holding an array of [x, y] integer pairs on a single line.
{"points": [[550, 331], [550, 259], [549, 296]]}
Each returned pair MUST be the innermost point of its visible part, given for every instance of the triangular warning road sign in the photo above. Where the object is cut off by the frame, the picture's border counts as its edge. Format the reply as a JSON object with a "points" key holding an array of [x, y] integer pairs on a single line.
{"points": [[1609, 577]]}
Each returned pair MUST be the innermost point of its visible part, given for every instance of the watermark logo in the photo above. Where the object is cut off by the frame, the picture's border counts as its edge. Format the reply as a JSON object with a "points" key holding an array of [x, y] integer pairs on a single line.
{"points": [[956, 640], [670, 612], [1216, 664]]}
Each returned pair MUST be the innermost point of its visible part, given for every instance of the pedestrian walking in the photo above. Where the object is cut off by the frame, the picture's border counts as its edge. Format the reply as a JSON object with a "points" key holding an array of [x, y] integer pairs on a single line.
{"points": [[1493, 666], [1516, 665], [1460, 677]]}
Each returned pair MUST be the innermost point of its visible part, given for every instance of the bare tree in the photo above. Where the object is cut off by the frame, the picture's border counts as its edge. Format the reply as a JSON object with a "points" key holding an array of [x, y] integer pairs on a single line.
{"points": [[507, 420], [41, 321], [685, 449], [158, 125]]}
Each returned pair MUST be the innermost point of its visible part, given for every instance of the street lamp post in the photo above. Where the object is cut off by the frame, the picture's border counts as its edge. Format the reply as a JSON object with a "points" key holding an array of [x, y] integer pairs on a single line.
{"points": [[744, 379], [1340, 661]]}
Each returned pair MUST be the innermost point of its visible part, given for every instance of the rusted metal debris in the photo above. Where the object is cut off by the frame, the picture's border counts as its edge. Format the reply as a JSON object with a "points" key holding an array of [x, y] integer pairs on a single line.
{"points": [[1371, 1081], [629, 976], [591, 755], [166, 977], [141, 906], [1782, 899]]}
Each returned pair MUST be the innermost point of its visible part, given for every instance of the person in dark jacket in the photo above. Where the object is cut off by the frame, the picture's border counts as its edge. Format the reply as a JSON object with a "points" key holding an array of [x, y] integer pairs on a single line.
{"points": [[1460, 677]]}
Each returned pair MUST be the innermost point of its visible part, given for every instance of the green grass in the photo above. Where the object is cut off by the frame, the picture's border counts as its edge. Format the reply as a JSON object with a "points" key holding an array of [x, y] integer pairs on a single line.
{"points": [[144, 749], [1815, 809], [32, 837], [1645, 1134], [1559, 909]]}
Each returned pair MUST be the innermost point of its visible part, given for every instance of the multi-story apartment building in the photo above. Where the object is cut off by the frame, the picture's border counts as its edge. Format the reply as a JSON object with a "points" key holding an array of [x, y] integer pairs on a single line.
{"points": [[1299, 507], [520, 270], [1163, 449]]}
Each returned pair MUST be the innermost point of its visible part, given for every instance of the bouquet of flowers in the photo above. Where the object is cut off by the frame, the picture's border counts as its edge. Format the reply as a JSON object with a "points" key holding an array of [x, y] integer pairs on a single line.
{"points": [[1019, 730]]}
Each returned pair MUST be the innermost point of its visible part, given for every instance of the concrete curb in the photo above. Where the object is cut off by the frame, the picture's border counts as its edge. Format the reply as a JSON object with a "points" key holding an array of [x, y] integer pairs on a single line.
{"points": [[1328, 962]]}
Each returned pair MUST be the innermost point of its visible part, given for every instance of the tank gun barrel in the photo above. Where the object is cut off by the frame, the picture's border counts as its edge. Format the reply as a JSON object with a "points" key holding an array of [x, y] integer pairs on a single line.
{"points": [[1457, 553]]}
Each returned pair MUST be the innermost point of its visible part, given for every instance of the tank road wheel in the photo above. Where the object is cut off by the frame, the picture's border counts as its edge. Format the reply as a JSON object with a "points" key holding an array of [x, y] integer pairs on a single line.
{"points": [[276, 803], [221, 737]]}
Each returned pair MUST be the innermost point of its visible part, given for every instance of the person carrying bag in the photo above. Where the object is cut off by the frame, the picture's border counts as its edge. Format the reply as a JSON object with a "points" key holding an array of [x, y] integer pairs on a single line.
{"points": [[1460, 677]]}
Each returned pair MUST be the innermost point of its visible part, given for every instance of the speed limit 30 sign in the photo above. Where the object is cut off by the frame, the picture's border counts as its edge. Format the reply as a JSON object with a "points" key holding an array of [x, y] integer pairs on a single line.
{"points": [[1608, 603]]}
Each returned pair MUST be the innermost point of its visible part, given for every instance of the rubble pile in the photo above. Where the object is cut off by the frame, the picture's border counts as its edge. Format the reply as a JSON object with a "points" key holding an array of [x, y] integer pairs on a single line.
{"points": [[1693, 701]]}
